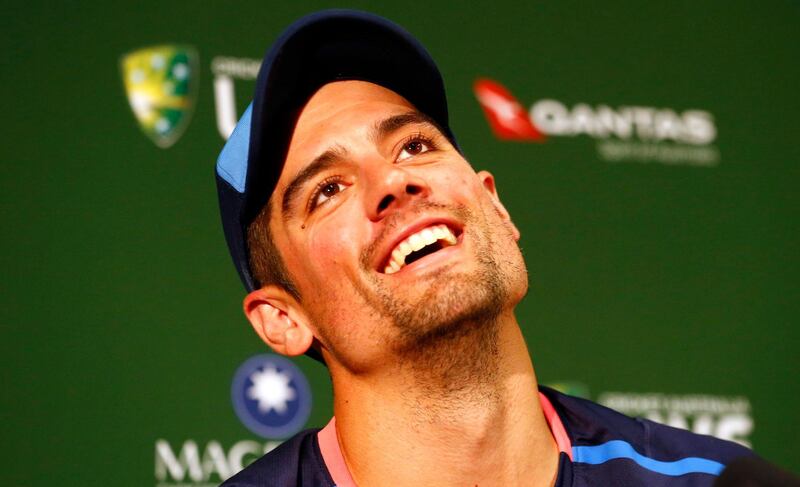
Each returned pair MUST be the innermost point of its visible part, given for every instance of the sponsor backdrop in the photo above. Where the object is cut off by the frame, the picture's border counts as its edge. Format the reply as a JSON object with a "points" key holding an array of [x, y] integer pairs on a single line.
{"points": [[648, 154]]}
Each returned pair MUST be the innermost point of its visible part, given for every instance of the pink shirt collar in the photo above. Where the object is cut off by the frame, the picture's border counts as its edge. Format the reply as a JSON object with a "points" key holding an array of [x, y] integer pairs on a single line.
{"points": [[334, 461]]}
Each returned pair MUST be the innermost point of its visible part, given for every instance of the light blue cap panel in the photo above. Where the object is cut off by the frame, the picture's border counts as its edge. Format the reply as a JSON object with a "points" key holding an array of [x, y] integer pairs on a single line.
{"points": [[232, 161]]}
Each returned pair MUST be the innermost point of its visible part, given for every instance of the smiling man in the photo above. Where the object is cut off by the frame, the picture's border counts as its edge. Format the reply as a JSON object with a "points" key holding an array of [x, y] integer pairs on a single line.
{"points": [[367, 240]]}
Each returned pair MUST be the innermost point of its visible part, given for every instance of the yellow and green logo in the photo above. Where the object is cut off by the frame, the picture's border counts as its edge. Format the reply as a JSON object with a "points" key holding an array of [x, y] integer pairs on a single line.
{"points": [[161, 83]]}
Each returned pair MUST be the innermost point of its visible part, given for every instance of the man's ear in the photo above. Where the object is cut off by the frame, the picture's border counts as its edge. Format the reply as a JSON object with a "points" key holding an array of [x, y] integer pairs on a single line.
{"points": [[279, 320], [488, 184]]}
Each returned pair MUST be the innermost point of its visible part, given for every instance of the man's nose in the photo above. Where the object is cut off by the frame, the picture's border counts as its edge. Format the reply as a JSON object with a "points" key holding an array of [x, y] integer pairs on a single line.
{"points": [[389, 187]]}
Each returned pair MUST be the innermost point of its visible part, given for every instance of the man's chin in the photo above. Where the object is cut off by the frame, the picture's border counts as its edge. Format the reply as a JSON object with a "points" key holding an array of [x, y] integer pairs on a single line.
{"points": [[449, 309], [451, 344]]}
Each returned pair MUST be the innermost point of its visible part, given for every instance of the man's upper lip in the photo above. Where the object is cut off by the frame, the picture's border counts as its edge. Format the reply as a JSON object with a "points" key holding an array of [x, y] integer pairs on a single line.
{"points": [[405, 231]]}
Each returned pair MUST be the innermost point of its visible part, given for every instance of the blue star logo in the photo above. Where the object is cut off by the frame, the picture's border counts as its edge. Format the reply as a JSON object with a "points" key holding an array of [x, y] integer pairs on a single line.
{"points": [[271, 396]]}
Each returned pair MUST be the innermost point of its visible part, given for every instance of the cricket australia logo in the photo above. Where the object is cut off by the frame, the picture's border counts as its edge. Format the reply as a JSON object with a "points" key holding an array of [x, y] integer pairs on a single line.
{"points": [[161, 84], [271, 396]]}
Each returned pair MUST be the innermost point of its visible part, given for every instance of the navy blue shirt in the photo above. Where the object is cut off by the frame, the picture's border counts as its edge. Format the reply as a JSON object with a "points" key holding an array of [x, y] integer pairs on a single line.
{"points": [[605, 448]]}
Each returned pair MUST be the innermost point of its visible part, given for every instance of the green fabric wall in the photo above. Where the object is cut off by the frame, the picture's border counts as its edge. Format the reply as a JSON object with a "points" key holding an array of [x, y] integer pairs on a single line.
{"points": [[653, 278]]}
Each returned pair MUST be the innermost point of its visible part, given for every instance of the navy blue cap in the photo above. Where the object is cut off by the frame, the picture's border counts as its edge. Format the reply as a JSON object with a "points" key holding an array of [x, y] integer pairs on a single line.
{"points": [[326, 46]]}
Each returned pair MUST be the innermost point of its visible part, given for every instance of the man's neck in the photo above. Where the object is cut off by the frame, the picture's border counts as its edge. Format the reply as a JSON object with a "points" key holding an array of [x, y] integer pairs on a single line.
{"points": [[442, 425]]}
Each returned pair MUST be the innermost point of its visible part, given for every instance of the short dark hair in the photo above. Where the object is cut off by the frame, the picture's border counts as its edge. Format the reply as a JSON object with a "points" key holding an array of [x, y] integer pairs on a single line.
{"points": [[266, 261]]}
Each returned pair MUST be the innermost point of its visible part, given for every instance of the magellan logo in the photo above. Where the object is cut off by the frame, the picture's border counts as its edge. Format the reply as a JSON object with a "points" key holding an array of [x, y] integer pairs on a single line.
{"points": [[271, 396], [642, 133], [197, 464], [160, 82]]}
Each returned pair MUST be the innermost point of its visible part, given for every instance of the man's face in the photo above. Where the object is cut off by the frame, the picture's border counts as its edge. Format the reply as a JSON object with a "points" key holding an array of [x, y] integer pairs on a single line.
{"points": [[392, 238]]}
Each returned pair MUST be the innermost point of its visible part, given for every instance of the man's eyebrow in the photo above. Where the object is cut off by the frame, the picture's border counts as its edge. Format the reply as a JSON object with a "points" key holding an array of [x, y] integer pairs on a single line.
{"points": [[381, 130], [387, 126], [318, 165]]}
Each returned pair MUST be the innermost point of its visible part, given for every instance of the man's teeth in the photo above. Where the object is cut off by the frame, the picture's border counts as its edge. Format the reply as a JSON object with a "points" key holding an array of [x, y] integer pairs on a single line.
{"points": [[417, 241]]}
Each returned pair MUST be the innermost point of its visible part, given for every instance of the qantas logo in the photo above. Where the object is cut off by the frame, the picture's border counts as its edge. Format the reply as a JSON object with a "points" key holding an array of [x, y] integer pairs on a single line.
{"points": [[509, 121], [642, 129]]}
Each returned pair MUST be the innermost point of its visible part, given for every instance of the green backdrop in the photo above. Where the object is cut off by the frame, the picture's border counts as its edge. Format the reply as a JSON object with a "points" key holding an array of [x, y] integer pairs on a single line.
{"points": [[663, 273]]}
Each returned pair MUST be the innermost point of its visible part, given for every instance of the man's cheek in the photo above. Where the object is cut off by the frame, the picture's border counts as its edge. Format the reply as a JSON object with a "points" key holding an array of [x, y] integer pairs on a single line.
{"points": [[329, 249], [444, 184], [461, 181]]}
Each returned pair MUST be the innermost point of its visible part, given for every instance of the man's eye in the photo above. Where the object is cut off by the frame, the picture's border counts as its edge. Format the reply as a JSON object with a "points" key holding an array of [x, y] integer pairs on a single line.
{"points": [[325, 191], [413, 148]]}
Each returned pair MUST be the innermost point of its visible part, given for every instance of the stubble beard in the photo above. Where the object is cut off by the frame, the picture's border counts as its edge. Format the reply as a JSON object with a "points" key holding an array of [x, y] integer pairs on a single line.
{"points": [[447, 338]]}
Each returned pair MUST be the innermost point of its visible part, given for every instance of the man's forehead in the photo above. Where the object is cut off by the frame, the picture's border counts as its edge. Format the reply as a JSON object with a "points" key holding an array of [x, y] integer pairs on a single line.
{"points": [[337, 111], [343, 109], [349, 92]]}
